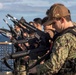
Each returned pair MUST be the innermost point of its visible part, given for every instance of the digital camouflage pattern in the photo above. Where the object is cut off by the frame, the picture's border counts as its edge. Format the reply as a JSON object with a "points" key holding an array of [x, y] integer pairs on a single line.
{"points": [[64, 49]]}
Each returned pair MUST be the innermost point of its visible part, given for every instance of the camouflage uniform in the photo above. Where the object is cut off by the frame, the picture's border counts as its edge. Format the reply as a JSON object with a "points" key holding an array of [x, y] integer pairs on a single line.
{"points": [[20, 66], [64, 49]]}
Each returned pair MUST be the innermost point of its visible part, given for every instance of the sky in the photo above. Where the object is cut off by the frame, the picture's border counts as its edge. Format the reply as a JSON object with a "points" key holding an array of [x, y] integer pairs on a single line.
{"points": [[30, 9]]}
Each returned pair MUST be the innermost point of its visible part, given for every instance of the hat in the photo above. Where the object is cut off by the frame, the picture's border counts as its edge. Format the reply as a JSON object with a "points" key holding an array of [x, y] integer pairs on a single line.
{"points": [[57, 11]]}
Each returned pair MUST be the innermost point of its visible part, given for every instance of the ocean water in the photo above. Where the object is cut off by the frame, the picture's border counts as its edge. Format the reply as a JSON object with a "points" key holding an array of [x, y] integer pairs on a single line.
{"points": [[3, 38]]}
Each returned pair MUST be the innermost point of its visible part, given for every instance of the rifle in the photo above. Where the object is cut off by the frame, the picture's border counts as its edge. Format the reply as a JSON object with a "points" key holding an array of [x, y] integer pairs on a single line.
{"points": [[40, 35], [12, 30], [33, 53]]}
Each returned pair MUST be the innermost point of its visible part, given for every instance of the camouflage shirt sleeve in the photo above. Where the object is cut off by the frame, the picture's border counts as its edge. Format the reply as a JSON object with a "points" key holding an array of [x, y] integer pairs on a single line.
{"points": [[58, 56]]}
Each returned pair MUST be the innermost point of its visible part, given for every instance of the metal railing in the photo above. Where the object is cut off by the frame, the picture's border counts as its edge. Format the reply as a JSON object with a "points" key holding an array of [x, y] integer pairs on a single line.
{"points": [[6, 48]]}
